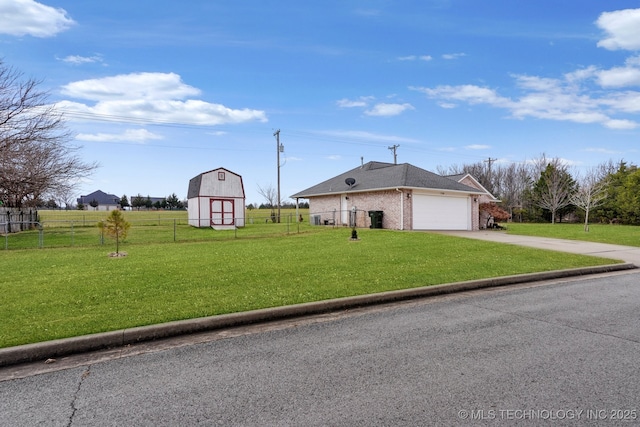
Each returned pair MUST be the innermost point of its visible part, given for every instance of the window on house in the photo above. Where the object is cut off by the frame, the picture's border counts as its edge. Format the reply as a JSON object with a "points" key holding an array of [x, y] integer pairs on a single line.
{"points": [[220, 176]]}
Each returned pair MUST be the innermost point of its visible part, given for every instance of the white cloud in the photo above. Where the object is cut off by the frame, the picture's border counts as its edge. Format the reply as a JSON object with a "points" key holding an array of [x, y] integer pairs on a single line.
{"points": [[620, 124], [28, 17], [581, 74], [363, 101], [628, 75], [415, 57], [131, 86], [453, 55], [130, 135], [77, 59], [464, 93], [565, 99], [477, 147], [627, 102], [387, 110], [622, 28], [148, 98]]}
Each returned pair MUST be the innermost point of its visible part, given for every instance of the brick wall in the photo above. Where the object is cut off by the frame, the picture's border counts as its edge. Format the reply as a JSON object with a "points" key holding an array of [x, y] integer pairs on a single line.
{"points": [[329, 208]]}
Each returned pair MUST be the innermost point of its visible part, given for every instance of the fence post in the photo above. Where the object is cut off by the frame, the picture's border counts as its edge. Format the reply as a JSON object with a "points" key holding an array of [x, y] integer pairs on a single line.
{"points": [[174, 229]]}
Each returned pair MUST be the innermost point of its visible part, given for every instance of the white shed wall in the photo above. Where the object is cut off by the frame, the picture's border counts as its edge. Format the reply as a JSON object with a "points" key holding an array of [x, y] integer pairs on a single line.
{"points": [[211, 187]]}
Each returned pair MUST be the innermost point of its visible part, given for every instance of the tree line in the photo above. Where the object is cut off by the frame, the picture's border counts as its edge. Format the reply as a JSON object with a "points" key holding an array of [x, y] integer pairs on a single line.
{"points": [[140, 202], [550, 190]]}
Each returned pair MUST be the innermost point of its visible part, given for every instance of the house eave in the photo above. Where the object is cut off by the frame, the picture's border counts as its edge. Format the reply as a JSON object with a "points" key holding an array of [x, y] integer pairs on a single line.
{"points": [[373, 190]]}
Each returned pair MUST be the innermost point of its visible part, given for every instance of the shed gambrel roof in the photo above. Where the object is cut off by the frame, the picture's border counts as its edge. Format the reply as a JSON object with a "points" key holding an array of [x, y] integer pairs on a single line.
{"points": [[195, 183], [376, 176]]}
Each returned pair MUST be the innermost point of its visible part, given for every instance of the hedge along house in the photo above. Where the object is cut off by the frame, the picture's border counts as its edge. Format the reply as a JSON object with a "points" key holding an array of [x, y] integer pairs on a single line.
{"points": [[216, 199], [408, 197]]}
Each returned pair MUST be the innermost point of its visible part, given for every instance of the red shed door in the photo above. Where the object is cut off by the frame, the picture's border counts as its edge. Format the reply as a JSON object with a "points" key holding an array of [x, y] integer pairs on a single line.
{"points": [[222, 212]]}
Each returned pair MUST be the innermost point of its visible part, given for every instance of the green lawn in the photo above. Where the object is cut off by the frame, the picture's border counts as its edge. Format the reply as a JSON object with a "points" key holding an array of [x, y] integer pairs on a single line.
{"points": [[628, 235], [60, 292], [79, 228]]}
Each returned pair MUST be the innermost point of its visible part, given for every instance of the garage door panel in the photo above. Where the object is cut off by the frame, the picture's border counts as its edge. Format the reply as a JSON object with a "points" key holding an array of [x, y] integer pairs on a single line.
{"points": [[441, 212]]}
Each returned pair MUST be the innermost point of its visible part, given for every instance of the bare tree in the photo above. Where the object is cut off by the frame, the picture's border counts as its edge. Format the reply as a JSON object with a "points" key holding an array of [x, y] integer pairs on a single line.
{"points": [[553, 189], [270, 194], [591, 191], [36, 159], [515, 180]]}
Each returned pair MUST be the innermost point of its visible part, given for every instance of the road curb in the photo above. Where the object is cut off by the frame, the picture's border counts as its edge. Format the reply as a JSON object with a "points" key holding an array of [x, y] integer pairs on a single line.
{"points": [[86, 343]]}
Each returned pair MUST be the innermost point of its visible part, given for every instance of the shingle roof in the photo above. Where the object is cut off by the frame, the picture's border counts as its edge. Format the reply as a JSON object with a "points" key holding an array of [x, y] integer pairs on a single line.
{"points": [[374, 176], [101, 197], [195, 183]]}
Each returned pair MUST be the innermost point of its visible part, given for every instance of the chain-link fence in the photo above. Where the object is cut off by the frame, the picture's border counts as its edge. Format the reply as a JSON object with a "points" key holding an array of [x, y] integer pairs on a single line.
{"points": [[81, 229]]}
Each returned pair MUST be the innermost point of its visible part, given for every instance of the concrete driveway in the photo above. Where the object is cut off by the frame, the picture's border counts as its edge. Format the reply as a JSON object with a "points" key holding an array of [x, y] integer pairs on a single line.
{"points": [[625, 253]]}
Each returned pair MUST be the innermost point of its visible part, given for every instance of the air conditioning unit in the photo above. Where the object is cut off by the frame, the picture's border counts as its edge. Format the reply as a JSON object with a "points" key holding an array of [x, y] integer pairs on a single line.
{"points": [[315, 219]]}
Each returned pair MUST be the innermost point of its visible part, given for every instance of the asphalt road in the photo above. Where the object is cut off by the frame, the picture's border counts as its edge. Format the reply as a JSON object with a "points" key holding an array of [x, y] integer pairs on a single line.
{"points": [[565, 352]]}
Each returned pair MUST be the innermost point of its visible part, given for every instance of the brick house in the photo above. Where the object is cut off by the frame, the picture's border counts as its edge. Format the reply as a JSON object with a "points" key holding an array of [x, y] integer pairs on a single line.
{"points": [[404, 196]]}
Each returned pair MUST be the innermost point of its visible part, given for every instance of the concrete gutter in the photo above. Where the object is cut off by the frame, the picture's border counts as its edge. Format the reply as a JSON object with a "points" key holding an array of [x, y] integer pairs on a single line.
{"points": [[120, 338]]}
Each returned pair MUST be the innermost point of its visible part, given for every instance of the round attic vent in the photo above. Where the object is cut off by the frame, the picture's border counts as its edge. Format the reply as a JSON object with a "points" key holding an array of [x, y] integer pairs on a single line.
{"points": [[350, 181]]}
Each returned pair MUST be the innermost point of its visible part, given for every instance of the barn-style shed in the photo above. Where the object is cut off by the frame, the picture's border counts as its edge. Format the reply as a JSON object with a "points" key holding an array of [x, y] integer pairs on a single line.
{"points": [[216, 199]]}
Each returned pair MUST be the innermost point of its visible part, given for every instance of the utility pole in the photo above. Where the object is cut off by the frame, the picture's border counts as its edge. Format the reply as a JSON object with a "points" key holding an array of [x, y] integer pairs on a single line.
{"points": [[490, 161], [278, 149], [489, 179], [395, 156]]}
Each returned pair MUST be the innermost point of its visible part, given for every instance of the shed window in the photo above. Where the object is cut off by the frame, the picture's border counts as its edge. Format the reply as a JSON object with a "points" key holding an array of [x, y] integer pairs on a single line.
{"points": [[220, 176]]}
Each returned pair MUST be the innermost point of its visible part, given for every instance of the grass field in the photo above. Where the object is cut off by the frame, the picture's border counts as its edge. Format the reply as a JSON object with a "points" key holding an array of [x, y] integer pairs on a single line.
{"points": [[628, 235], [79, 228], [60, 292]]}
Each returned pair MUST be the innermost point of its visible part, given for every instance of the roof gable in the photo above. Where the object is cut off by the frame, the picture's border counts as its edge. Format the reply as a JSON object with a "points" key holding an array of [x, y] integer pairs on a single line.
{"points": [[374, 176], [467, 177]]}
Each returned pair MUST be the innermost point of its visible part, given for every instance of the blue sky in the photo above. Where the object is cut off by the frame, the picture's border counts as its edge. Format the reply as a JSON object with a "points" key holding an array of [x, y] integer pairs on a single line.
{"points": [[158, 92]]}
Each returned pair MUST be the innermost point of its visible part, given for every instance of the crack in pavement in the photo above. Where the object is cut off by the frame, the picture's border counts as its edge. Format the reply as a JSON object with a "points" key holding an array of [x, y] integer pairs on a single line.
{"points": [[74, 409], [554, 323]]}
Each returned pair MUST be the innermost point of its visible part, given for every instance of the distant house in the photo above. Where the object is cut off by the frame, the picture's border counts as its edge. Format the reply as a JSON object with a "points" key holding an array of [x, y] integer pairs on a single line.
{"points": [[216, 199], [397, 196], [106, 202]]}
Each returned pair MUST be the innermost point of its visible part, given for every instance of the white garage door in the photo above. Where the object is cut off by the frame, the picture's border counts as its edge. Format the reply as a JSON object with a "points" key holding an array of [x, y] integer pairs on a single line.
{"points": [[441, 212]]}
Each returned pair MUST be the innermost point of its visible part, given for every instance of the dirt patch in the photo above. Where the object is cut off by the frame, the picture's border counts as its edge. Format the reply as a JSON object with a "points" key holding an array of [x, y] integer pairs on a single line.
{"points": [[117, 254]]}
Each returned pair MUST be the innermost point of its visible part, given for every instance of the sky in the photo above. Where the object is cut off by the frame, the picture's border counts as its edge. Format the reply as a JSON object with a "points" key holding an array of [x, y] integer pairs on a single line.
{"points": [[159, 92]]}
